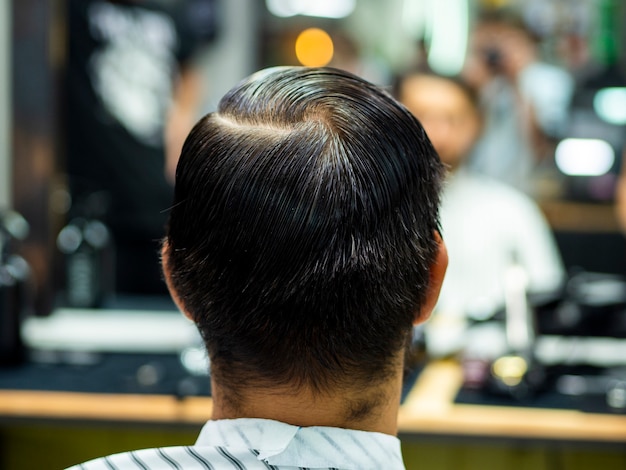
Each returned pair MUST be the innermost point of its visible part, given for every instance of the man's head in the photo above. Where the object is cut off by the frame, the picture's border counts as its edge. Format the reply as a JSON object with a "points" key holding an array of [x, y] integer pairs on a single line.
{"points": [[303, 230], [448, 110]]}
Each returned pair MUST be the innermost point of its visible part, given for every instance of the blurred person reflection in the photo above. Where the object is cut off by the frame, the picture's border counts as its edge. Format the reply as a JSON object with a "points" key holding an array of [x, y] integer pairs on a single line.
{"points": [[132, 97], [486, 224], [525, 100]]}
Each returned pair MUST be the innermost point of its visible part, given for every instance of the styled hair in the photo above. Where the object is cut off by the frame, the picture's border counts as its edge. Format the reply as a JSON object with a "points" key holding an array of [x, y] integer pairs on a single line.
{"points": [[303, 229]]}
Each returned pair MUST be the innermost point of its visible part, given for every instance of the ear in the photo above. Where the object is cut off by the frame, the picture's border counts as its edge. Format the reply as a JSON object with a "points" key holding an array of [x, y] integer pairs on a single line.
{"points": [[437, 273], [168, 280]]}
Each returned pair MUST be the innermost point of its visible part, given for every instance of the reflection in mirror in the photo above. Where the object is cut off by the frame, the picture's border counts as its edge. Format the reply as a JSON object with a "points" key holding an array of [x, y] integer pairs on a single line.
{"points": [[137, 74], [133, 93]]}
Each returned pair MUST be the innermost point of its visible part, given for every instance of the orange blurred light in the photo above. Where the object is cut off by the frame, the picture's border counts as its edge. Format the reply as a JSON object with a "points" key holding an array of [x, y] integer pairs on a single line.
{"points": [[314, 47]]}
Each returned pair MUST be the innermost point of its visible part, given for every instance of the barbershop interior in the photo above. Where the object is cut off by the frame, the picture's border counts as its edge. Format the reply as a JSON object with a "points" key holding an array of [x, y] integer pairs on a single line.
{"points": [[522, 364]]}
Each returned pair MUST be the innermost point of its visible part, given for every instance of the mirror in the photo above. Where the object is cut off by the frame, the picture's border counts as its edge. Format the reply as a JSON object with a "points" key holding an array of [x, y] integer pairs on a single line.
{"points": [[104, 92]]}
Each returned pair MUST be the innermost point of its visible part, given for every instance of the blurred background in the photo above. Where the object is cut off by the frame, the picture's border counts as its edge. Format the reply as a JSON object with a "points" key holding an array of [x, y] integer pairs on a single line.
{"points": [[97, 96], [92, 118]]}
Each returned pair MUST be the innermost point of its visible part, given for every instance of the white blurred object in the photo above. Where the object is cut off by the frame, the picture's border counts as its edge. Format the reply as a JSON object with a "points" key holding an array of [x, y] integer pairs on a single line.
{"points": [[319, 8], [96, 330], [549, 90], [595, 351], [444, 25], [520, 333], [445, 333], [483, 221], [195, 360], [584, 157], [610, 105], [449, 36], [485, 341], [14, 224]]}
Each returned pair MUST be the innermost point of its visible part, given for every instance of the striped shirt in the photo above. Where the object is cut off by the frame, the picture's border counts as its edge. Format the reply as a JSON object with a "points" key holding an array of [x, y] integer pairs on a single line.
{"points": [[238, 444]]}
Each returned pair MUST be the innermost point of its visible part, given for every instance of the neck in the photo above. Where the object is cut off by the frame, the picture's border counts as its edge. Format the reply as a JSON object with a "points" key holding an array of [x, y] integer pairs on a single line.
{"points": [[371, 409]]}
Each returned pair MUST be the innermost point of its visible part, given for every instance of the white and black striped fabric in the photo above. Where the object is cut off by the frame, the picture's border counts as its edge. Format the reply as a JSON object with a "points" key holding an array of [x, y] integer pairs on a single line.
{"points": [[251, 444]]}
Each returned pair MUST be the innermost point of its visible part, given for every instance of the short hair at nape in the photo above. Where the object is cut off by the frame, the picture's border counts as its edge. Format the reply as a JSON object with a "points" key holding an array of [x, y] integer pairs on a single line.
{"points": [[302, 229]]}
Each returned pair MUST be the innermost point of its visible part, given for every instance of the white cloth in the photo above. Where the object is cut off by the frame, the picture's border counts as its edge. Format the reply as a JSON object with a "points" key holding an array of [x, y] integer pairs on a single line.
{"points": [[487, 225], [504, 150], [549, 90], [245, 443]]}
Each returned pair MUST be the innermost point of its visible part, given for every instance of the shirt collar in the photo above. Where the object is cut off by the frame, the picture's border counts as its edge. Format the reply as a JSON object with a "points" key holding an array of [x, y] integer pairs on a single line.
{"points": [[312, 447]]}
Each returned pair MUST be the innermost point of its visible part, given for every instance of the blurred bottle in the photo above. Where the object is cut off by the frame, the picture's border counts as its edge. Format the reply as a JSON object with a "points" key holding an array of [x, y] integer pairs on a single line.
{"points": [[520, 324], [517, 372], [14, 275], [86, 246]]}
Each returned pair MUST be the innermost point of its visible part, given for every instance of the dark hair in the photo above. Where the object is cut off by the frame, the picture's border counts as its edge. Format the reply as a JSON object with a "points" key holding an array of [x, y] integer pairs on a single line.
{"points": [[302, 229], [507, 18]]}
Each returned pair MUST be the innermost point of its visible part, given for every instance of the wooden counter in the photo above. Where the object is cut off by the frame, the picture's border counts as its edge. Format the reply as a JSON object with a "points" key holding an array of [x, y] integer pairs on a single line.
{"points": [[428, 410], [580, 217]]}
